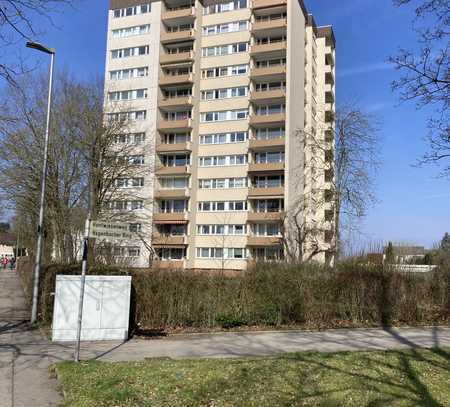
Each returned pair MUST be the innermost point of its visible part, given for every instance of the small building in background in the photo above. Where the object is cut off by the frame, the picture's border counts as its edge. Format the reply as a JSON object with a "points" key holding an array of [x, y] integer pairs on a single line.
{"points": [[7, 244], [403, 254]]}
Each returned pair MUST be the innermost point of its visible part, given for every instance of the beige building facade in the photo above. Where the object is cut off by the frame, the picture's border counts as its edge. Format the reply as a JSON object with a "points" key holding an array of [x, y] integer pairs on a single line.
{"points": [[233, 102]]}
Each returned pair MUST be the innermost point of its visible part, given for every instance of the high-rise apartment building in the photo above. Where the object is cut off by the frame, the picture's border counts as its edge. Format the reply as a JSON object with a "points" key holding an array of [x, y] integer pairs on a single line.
{"points": [[231, 109]]}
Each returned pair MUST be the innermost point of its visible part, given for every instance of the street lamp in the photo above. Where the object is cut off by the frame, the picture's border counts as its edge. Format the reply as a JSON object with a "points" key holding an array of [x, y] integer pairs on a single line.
{"points": [[37, 266]]}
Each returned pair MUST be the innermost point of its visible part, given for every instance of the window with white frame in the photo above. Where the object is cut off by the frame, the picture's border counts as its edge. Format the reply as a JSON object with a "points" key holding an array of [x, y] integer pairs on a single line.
{"points": [[222, 160], [174, 183], [131, 73], [125, 205], [222, 206], [174, 116], [222, 230], [227, 49], [225, 28], [176, 138], [269, 205], [131, 31], [222, 183], [130, 138], [265, 110], [129, 182], [266, 229], [175, 160], [224, 7], [232, 70], [268, 181], [138, 159], [135, 227], [128, 95], [221, 253], [224, 138], [227, 93], [268, 63], [269, 86], [130, 52], [270, 133], [173, 206], [269, 157], [136, 115], [224, 115], [132, 10]]}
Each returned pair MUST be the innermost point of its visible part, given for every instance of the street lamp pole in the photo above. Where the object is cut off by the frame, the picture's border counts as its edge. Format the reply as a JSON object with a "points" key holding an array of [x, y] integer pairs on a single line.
{"points": [[40, 230]]}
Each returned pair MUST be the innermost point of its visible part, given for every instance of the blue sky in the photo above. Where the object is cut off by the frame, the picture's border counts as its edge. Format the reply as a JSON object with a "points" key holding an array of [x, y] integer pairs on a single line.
{"points": [[414, 206]]}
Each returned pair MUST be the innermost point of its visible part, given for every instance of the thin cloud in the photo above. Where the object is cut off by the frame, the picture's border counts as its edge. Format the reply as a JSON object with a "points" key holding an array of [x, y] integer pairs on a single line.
{"points": [[364, 69]]}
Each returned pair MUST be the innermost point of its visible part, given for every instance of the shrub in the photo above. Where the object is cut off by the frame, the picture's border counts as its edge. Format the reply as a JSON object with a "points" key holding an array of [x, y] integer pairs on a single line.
{"points": [[276, 295]]}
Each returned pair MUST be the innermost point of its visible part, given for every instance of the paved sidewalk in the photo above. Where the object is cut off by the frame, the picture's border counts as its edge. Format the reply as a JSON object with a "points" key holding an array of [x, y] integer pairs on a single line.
{"points": [[25, 356]]}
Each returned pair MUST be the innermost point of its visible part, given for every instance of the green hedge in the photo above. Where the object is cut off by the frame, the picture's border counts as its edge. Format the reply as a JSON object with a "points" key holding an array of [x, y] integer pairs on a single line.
{"points": [[276, 295]]}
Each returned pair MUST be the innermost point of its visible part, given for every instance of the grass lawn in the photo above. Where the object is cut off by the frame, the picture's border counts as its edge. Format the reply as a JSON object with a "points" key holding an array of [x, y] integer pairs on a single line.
{"points": [[394, 378]]}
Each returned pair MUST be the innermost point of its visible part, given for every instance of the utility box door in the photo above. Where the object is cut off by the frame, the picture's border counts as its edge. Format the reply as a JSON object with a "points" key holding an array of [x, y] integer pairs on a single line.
{"points": [[106, 308]]}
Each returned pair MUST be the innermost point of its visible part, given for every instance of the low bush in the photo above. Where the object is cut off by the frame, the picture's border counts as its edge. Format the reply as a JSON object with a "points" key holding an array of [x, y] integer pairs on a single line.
{"points": [[276, 295]]}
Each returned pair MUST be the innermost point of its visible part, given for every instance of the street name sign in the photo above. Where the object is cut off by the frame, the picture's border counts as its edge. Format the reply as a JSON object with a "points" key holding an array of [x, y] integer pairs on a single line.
{"points": [[109, 230]]}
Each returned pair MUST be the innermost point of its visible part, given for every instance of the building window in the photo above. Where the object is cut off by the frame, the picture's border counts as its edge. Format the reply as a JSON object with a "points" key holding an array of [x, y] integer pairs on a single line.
{"points": [[130, 73], [270, 133], [128, 95], [225, 28], [222, 206], [132, 116], [132, 11], [270, 109], [171, 253], [224, 138], [174, 183], [233, 70], [130, 138], [269, 157], [131, 31], [222, 183], [227, 49], [224, 115], [130, 52], [269, 181], [173, 206], [224, 7], [221, 230], [177, 160], [221, 253], [129, 182], [269, 205], [228, 93], [266, 229], [223, 160]]}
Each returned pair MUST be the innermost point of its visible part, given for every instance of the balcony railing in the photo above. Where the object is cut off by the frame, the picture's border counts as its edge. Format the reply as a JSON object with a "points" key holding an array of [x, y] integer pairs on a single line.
{"points": [[272, 47], [188, 12], [267, 144], [265, 167], [173, 148], [168, 240], [277, 71], [165, 79], [269, 24], [170, 218], [267, 119], [266, 193], [177, 36], [169, 264], [264, 241], [265, 216], [257, 4], [268, 95], [171, 193], [179, 57], [175, 125], [173, 170]]}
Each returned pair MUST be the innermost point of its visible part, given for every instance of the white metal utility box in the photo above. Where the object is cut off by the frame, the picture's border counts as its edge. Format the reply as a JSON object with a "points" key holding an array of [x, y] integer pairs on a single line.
{"points": [[106, 308]]}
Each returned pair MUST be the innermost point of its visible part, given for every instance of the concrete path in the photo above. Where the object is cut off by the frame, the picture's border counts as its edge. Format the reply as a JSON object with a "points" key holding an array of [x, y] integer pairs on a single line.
{"points": [[25, 356]]}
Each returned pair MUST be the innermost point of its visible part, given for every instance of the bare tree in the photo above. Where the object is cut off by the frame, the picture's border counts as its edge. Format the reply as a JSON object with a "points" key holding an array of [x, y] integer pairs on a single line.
{"points": [[338, 184], [88, 169], [425, 75], [17, 25]]}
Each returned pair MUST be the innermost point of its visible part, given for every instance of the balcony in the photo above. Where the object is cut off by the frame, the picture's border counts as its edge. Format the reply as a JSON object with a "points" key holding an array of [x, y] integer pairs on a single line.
{"points": [[276, 24], [168, 240], [175, 103], [168, 264], [165, 80], [173, 148], [169, 126], [267, 119], [171, 193], [264, 241], [266, 167], [177, 36], [173, 170], [177, 218], [273, 48], [171, 16], [271, 72], [265, 216], [266, 193], [267, 144], [177, 58], [258, 4], [268, 96]]}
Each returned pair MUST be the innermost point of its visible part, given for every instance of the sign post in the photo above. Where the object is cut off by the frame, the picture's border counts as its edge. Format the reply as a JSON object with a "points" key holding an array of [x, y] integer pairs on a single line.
{"points": [[96, 230]]}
